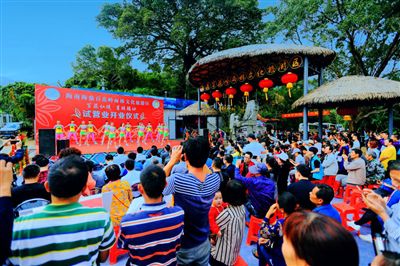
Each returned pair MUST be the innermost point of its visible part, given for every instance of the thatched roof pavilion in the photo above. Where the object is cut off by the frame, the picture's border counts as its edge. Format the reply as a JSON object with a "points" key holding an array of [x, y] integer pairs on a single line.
{"points": [[256, 58], [279, 63], [354, 91], [193, 110], [350, 91]]}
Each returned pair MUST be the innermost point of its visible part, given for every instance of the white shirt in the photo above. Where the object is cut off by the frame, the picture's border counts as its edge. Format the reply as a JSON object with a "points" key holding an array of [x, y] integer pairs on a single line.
{"points": [[140, 157], [255, 148]]}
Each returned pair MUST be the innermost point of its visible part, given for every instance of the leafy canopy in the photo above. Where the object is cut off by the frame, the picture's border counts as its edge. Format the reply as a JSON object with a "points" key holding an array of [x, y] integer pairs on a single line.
{"points": [[177, 33]]}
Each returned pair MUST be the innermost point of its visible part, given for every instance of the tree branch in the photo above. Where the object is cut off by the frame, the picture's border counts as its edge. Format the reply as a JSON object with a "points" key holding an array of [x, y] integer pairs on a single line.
{"points": [[392, 49]]}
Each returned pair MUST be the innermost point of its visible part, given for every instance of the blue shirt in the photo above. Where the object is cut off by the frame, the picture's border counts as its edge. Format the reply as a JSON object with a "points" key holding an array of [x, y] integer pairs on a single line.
{"points": [[151, 160], [261, 191], [179, 168], [329, 211], [195, 198], [153, 234]]}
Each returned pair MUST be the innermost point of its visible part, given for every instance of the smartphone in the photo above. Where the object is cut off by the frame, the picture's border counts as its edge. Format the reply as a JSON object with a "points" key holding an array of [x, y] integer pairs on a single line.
{"points": [[14, 142]]}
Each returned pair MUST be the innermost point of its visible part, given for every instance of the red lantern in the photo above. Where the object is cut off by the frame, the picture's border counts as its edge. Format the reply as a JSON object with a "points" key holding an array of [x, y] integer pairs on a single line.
{"points": [[246, 88], [288, 79], [205, 97], [347, 111], [231, 93], [217, 95], [265, 84]]}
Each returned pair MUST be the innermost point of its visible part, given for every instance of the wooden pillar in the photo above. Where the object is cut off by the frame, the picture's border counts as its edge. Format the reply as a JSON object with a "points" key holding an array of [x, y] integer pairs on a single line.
{"points": [[390, 111], [198, 116], [320, 81], [305, 92]]}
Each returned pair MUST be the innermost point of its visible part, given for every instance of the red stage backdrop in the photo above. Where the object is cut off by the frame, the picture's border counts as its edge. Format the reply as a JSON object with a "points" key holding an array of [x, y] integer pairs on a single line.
{"points": [[64, 104]]}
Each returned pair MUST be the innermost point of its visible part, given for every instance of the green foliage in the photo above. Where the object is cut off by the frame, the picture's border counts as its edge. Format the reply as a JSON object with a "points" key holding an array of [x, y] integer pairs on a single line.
{"points": [[18, 99], [175, 34], [365, 35]]}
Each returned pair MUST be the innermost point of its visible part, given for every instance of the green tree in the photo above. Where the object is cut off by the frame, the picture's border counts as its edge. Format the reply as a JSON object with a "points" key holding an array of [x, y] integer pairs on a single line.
{"points": [[18, 99], [105, 66], [175, 34], [364, 33]]}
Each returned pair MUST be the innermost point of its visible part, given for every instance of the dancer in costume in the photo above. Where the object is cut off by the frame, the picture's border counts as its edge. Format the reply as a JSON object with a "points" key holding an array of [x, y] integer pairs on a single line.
{"points": [[59, 130], [140, 132], [105, 129], [149, 132], [83, 132], [72, 131], [159, 132], [122, 134], [129, 134], [91, 133], [111, 135], [165, 134]]}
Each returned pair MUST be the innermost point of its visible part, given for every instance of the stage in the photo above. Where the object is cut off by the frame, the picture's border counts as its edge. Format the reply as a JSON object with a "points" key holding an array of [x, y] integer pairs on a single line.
{"points": [[98, 148]]}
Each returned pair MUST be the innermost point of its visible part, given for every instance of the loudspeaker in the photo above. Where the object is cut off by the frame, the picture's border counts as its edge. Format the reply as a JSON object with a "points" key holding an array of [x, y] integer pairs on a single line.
{"points": [[47, 142], [62, 144]]}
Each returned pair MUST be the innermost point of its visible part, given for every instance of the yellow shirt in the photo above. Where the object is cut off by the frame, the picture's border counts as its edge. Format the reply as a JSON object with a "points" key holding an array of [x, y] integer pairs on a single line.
{"points": [[122, 197], [390, 153]]}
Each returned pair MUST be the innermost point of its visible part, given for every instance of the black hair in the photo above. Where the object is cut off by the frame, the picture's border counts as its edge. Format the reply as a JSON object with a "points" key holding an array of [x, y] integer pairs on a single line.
{"points": [[358, 152], [197, 150], [120, 150], [234, 193], [68, 152], [40, 160], [132, 156], [329, 146], [229, 158], [31, 171], [109, 157], [130, 164], [325, 193], [90, 165], [287, 201], [113, 172], [139, 149], [154, 151], [153, 180], [218, 162], [67, 177], [221, 153], [313, 150], [249, 153], [393, 165], [167, 147], [304, 170]]}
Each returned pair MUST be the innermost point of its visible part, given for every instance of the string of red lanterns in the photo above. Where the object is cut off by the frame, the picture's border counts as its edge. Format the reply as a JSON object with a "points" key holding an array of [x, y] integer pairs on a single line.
{"points": [[265, 84]]}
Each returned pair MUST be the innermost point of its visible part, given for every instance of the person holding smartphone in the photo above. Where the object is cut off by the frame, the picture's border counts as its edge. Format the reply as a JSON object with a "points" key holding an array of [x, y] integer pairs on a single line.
{"points": [[19, 154]]}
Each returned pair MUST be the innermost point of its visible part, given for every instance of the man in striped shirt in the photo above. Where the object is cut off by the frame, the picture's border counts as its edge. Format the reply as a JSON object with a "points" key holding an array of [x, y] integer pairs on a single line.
{"points": [[153, 234], [64, 232], [194, 193]]}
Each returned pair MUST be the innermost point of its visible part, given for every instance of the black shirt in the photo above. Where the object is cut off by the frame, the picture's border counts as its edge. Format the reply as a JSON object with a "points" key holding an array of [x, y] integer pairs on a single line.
{"points": [[301, 190], [28, 191], [229, 170]]}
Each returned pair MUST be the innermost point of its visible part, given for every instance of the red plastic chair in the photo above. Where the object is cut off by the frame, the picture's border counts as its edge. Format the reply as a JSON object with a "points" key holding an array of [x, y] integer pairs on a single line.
{"points": [[115, 252], [254, 227], [348, 191], [345, 209]]}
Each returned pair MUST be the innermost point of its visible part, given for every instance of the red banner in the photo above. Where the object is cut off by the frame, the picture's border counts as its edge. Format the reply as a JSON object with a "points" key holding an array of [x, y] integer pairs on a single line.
{"points": [[297, 115], [64, 104]]}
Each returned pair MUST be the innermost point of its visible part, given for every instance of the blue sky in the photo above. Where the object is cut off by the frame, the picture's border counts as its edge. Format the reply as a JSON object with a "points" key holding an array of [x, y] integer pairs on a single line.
{"points": [[39, 39]]}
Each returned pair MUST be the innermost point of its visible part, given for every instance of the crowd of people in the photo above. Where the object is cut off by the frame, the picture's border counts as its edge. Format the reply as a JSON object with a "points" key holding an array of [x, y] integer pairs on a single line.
{"points": [[190, 204]]}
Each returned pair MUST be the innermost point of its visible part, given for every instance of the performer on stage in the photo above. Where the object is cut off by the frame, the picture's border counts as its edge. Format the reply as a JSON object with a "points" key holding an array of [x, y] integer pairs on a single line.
{"points": [[165, 134], [149, 132], [140, 132], [83, 132], [111, 134], [91, 133], [59, 130], [106, 131], [129, 134], [160, 132], [72, 131], [122, 134]]}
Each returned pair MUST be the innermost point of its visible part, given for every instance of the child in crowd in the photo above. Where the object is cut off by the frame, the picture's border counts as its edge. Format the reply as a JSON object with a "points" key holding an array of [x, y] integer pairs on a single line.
{"points": [[122, 193], [231, 222], [216, 208]]}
